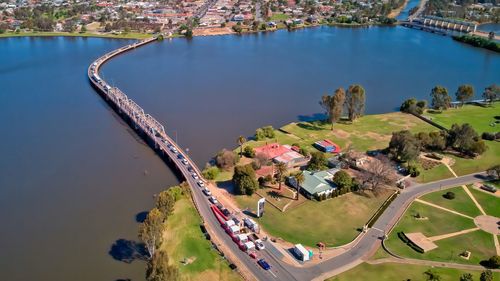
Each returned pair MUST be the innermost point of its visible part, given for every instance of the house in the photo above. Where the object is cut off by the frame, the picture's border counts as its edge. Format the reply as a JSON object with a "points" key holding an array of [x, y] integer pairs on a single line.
{"points": [[282, 154], [327, 146], [316, 183]]}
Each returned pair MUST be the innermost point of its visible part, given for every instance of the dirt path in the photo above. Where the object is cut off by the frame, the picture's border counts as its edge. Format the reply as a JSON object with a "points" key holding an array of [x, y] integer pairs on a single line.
{"points": [[497, 245], [474, 199], [448, 235], [442, 208]]}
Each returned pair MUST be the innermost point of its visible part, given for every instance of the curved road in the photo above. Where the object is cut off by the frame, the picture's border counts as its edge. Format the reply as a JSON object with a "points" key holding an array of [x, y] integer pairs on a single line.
{"points": [[280, 270]]}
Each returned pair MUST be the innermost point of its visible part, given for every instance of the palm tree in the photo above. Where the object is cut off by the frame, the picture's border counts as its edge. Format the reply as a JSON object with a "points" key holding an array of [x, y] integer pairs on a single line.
{"points": [[299, 179], [280, 171], [241, 140]]}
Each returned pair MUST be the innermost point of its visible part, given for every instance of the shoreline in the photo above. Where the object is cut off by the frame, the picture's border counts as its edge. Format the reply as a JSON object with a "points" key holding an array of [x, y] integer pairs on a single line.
{"points": [[131, 35]]}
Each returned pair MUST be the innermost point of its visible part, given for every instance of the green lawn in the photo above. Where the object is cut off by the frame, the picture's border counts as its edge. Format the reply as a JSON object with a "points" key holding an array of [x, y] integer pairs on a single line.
{"points": [[279, 17], [184, 240], [491, 157], [479, 117], [333, 222], [439, 222], [400, 272], [462, 202], [489, 202], [437, 173], [130, 35], [368, 132]]}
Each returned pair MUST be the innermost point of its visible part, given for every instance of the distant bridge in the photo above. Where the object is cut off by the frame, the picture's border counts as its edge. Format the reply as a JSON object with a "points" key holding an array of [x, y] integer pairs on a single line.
{"points": [[440, 25]]}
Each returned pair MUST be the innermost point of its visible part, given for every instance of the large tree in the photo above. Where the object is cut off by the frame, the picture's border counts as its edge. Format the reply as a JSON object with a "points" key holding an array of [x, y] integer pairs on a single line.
{"points": [[440, 98], [404, 146], [355, 101], [159, 268], [465, 139], [241, 140], [226, 159], [165, 203], [491, 93], [464, 93], [299, 179], [376, 174], [281, 169], [342, 180], [318, 161], [151, 231], [244, 179], [333, 105], [486, 275]]}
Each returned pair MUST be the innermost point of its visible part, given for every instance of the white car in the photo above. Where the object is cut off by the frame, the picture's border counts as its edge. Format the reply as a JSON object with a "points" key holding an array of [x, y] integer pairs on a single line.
{"points": [[259, 245], [213, 200], [207, 192], [184, 161], [200, 184], [195, 176]]}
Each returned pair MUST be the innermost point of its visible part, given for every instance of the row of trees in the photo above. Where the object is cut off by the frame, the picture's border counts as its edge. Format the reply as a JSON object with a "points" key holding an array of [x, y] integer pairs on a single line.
{"points": [[151, 234], [352, 101], [432, 275], [441, 100], [405, 146]]}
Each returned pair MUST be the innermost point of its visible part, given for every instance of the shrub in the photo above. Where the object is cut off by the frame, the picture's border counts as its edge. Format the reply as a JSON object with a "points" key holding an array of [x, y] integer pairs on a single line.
{"points": [[488, 136], [269, 132], [210, 172], [249, 152], [413, 170], [226, 159], [449, 195], [494, 262], [259, 134]]}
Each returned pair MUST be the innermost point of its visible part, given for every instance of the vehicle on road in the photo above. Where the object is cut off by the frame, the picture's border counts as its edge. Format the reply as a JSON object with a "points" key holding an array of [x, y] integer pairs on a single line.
{"points": [[263, 263], [207, 192], [213, 200], [200, 184], [195, 176], [253, 255], [184, 161], [259, 244]]}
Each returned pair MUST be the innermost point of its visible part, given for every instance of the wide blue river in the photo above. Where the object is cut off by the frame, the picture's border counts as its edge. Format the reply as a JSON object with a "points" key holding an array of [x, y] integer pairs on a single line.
{"points": [[73, 177]]}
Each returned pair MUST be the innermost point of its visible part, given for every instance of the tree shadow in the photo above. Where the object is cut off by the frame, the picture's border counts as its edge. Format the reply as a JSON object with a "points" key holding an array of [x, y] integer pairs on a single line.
{"points": [[141, 216], [312, 117], [249, 213], [228, 186], [128, 251], [309, 126]]}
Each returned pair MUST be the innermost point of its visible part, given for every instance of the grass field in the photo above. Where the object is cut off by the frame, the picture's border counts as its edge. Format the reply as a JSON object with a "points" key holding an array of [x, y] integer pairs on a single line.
{"points": [[184, 241], [438, 222], [397, 272], [130, 35], [489, 202], [333, 222], [368, 132], [437, 173], [478, 117], [491, 157], [279, 17], [462, 202]]}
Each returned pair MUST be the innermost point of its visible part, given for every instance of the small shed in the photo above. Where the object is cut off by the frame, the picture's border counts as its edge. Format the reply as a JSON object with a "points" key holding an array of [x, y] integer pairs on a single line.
{"points": [[301, 252], [327, 146]]}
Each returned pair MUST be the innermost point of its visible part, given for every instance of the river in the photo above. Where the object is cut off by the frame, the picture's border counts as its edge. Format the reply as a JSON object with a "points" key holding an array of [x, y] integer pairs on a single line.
{"points": [[72, 175]]}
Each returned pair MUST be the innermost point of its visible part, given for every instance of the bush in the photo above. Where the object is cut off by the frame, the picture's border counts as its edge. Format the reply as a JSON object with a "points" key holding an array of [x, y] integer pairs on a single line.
{"points": [[494, 262], [210, 172], [488, 136], [249, 152], [226, 159], [413, 170], [259, 134], [269, 132], [449, 195]]}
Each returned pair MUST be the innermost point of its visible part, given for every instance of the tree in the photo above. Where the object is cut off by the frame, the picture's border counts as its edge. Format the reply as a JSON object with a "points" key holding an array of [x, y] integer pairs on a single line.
{"points": [[249, 152], [333, 105], [491, 93], [464, 93], [466, 277], [259, 134], [413, 106], [432, 275], [268, 132], [377, 173], [355, 101], [244, 179], [494, 171], [83, 29], [226, 159], [281, 169], [465, 139], [210, 172], [165, 203], [108, 27], [299, 179], [486, 275], [241, 140], [440, 98], [404, 146], [151, 231], [494, 262], [342, 180], [318, 161], [159, 268]]}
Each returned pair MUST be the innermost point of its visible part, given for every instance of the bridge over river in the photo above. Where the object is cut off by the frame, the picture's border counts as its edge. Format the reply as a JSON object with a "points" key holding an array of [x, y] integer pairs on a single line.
{"points": [[153, 132]]}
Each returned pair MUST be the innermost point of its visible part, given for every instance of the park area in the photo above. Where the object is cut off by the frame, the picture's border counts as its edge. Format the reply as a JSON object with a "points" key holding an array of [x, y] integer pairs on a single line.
{"points": [[395, 271], [453, 220], [188, 249], [333, 222]]}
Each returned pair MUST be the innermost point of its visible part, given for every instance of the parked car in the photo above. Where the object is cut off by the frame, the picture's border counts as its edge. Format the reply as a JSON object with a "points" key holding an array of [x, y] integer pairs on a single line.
{"points": [[213, 200], [207, 192], [259, 245], [489, 188], [263, 263]]}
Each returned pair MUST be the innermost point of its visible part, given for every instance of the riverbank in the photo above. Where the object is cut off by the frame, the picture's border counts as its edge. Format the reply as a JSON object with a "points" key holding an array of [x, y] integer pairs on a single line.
{"points": [[130, 35]]}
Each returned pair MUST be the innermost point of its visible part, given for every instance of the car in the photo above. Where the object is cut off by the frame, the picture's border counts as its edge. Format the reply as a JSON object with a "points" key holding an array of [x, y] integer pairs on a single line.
{"points": [[263, 263], [184, 161], [195, 176], [489, 188], [213, 200], [225, 212], [201, 184], [180, 156], [253, 255], [242, 246], [259, 245], [207, 192]]}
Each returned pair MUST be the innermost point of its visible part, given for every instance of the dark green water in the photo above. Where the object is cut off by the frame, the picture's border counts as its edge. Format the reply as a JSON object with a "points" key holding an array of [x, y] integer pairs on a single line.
{"points": [[73, 177]]}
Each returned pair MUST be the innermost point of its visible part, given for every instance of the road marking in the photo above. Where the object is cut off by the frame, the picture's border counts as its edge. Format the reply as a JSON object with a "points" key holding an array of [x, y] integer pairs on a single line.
{"points": [[378, 229], [273, 274]]}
